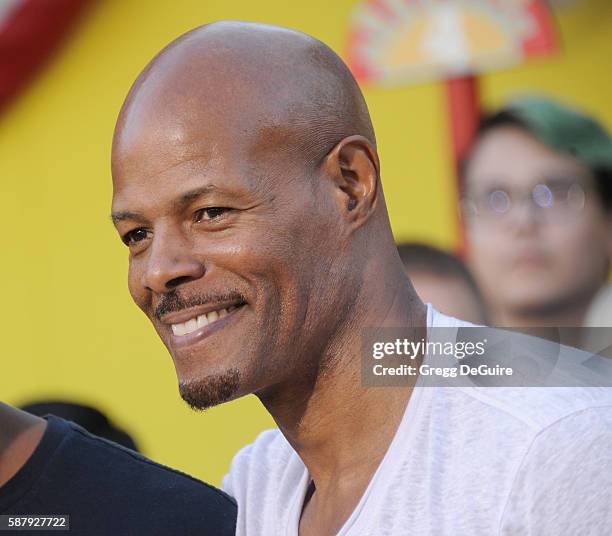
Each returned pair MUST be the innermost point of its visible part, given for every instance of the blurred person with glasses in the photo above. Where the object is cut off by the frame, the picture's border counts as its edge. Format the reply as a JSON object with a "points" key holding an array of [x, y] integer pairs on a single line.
{"points": [[536, 203]]}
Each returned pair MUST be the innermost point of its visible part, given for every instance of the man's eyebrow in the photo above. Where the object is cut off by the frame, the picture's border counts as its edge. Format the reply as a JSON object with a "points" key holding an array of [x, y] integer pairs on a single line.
{"points": [[191, 195], [116, 217], [183, 199]]}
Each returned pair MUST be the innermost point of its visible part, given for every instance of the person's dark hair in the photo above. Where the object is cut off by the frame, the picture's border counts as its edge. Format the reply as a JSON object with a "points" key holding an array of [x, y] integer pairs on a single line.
{"points": [[91, 419], [603, 183], [423, 258], [505, 118]]}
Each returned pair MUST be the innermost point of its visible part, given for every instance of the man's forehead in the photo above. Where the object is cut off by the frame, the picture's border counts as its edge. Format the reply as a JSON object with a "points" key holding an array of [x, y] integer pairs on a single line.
{"points": [[165, 129], [159, 133], [144, 198], [170, 169], [174, 175]]}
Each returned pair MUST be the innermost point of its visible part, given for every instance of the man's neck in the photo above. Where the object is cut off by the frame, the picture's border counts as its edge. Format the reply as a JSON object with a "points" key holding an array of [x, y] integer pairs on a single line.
{"points": [[20, 434], [337, 407]]}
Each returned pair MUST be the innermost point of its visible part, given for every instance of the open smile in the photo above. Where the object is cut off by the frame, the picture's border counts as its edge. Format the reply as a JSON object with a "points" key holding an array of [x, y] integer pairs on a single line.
{"points": [[200, 321], [200, 324]]}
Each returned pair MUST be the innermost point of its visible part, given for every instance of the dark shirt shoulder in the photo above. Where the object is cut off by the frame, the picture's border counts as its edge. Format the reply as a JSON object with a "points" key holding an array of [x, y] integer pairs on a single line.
{"points": [[108, 489]]}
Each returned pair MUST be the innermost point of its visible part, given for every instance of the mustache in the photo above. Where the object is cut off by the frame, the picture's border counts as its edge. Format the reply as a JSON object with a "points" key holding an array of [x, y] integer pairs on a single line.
{"points": [[173, 302]]}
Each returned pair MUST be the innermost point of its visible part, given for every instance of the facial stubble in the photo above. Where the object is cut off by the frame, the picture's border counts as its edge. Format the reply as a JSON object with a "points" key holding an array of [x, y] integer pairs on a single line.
{"points": [[210, 391]]}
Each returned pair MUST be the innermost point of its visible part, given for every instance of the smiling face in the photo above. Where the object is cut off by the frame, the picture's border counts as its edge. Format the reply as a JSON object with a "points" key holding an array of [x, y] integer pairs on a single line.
{"points": [[534, 260], [225, 255], [238, 246]]}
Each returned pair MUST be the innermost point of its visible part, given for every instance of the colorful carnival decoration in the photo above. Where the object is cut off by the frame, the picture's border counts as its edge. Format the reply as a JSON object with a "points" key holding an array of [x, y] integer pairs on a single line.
{"points": [[395, 42]]}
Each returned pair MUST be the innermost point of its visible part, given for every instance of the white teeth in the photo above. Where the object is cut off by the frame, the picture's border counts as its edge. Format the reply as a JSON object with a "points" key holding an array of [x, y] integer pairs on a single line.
{"points": [[202, 321], [199, 322], [178, 329]]}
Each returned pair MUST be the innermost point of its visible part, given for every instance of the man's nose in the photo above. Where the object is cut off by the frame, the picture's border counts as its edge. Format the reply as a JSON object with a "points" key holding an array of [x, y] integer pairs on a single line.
{"points": [[526, 217], [171, 263]]}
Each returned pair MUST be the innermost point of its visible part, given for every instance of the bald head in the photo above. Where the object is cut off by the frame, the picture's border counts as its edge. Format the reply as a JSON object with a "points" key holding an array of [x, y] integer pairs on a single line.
{"points": [[211, 156], [281, 87]]}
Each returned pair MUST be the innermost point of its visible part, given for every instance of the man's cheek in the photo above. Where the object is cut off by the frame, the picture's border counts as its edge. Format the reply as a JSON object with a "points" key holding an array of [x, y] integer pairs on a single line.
{"points": [[137, 291]]}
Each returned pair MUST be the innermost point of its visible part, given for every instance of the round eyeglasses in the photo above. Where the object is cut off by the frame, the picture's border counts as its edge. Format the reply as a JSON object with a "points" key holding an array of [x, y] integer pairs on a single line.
{"points": [[554, 200]]}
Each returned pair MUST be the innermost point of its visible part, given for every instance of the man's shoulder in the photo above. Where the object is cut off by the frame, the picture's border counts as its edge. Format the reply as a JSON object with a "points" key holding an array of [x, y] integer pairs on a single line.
{"points": [[540, 407], [562, 485], [569, 389]]}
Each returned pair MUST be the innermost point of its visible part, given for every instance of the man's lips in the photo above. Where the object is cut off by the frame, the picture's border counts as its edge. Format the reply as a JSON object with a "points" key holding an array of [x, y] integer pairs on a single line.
{"points": [[191, 325], [189, 313]]}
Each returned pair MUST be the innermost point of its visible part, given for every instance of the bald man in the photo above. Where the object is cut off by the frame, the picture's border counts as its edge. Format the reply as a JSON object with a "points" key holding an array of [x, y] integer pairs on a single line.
{"points": [[51, 467], [247, 190]]}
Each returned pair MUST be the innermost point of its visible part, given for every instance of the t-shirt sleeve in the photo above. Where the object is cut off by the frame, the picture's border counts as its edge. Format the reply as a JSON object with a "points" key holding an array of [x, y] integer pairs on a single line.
{"points": [[564, 483]]}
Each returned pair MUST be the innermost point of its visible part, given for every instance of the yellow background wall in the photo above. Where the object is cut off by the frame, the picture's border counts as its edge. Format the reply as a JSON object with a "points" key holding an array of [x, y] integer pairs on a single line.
{"points": [[69, 328]]}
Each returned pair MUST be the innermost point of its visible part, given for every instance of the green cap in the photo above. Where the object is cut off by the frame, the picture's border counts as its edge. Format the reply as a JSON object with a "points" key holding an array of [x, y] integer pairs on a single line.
{"points": [[564, 129]]}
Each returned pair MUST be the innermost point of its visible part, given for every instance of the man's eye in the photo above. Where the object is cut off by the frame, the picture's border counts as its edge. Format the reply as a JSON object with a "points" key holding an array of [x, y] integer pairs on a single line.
{"points": [[209, 214], [137, 235]]}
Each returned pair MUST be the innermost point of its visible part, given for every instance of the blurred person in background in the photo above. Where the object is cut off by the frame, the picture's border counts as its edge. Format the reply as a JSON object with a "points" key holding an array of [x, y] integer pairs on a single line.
{"points": [[442, 279], [92, 419], [51, 467], [537, 206]]}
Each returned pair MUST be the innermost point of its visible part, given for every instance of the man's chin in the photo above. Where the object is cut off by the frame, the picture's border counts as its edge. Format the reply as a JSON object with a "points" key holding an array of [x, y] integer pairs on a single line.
{"points": [[210, 391]]}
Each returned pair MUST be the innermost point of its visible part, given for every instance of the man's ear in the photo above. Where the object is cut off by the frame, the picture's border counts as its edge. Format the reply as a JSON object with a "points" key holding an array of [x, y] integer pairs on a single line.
{"points": [[354, 167]]}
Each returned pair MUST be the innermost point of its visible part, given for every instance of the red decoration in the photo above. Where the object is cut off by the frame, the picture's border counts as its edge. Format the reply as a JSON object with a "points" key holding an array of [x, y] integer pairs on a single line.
{"points": [[30, 32]]}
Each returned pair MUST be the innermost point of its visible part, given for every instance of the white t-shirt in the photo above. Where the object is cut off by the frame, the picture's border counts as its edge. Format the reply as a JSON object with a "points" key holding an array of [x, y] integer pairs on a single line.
{"points": [[464, 461]]}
